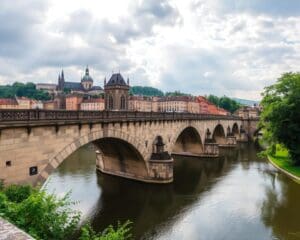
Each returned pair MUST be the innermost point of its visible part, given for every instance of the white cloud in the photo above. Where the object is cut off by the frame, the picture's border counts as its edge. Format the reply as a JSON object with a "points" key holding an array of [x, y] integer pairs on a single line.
{"points": [[221, 47]]}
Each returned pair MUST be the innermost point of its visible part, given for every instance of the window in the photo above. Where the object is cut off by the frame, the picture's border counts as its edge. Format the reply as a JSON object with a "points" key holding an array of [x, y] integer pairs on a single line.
{"points": [[8, 163], [33, 170], [123, 103], [110, 102]]}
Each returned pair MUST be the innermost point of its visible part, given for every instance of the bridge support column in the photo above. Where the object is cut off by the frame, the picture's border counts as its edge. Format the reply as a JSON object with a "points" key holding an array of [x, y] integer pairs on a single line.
{"points": [[160, 169], [211, 150], [230, 141], [243, 137]]}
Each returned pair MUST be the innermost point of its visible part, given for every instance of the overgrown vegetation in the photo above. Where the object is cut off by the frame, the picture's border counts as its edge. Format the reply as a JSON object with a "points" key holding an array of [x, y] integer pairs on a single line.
{"points": [[122, 232], [42, 215], [280, 118], [224, 102], [45, 216], [23, 90]]}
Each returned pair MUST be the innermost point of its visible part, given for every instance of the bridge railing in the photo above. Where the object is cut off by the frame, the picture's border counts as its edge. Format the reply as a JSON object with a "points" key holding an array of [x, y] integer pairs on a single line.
{"points": [[17, 115]]}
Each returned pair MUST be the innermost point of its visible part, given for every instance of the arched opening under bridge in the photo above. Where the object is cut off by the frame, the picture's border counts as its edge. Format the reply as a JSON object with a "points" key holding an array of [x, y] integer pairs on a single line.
{"points": [[188, 142]]}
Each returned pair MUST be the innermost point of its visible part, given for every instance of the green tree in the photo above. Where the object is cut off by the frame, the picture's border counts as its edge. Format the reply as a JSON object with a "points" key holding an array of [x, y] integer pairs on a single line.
{"points": [[23, 90], [280, 117], [145, 91], [176, 94], [224, 102]]}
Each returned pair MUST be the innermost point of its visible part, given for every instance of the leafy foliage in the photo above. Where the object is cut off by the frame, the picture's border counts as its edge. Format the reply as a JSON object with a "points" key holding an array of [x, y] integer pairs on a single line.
{"points": [[145, 91], [176, 94], [42, 215], [280, 117], [224, 102], [16, 193], [281, 159], [23, 90], [122, 232]]}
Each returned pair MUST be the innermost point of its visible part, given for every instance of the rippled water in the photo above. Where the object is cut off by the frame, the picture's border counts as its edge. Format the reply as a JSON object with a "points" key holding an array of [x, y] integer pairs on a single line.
{"points": [[237, 196]]}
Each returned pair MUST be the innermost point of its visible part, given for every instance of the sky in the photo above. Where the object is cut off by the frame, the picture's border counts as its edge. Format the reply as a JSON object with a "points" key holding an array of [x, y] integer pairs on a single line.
{"points": [[221, 47]]}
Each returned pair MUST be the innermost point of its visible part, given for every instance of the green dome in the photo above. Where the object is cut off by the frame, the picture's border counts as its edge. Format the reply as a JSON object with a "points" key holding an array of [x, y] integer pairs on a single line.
{"points": [[87, 77]]}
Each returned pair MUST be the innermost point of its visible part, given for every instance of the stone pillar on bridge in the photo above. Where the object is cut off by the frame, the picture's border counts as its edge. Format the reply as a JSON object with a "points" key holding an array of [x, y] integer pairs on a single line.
{"points": [[160, 163], [231, 140], [211, 149], [243, 135], [159, 166]]}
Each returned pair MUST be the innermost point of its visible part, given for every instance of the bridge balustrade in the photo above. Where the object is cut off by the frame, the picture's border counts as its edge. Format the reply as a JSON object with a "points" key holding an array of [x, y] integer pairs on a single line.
{"points": [[17, 115]]}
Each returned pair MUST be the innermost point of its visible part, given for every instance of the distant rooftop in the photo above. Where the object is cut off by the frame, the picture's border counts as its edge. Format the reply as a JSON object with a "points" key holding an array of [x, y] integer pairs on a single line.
{"points": [[116, 79]]}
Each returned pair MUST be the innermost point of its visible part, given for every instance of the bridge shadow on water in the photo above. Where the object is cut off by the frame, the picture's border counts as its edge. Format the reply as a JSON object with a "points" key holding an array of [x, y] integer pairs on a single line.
{"points": [[266, 206], [151, 206]]}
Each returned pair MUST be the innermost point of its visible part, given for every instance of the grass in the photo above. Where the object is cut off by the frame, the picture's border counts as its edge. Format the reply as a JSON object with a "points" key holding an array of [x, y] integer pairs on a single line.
{"points": [[282, 160]]}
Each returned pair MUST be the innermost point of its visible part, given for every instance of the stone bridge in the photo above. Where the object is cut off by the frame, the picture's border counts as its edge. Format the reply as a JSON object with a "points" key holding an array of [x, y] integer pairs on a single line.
{"points": [[135, 145]]}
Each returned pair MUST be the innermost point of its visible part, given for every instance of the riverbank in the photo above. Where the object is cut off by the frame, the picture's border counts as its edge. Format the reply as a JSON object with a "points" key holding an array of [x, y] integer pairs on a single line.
{"points": [[282, 162]]}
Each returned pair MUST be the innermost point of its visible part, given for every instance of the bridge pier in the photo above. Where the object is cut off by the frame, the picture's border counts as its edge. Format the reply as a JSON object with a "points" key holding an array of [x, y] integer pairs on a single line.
{"points": [[230, 142], [211, 149], [243, 137], [160, 169]]}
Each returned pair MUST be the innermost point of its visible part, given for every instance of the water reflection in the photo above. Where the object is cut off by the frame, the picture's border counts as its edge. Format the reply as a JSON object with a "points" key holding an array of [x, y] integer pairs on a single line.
{"points": [[236, 196]]}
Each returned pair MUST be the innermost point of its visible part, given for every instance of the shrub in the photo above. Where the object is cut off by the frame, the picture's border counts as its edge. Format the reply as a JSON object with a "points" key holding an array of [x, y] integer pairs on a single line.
{"points": [[16, 193], [42, 215], [122, 232]]}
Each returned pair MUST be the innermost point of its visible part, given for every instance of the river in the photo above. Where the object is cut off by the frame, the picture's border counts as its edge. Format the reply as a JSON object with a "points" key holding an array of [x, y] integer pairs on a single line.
{"points": [[235, 197]]}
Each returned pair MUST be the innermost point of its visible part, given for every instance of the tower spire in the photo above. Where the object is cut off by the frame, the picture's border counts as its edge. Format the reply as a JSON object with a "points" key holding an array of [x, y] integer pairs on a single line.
{"points": [[62, 75]]}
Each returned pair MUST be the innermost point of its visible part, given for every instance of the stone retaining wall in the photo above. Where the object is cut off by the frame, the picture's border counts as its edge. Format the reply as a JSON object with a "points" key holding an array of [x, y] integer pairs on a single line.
{"points": [[9, 231]]}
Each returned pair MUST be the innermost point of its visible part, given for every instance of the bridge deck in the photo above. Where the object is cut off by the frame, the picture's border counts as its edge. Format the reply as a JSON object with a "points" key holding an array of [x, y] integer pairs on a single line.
{"points": [[15, 118]]}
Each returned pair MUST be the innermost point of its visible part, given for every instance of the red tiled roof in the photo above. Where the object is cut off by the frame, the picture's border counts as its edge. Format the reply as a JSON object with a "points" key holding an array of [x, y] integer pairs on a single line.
{"points": [[8, 101]]}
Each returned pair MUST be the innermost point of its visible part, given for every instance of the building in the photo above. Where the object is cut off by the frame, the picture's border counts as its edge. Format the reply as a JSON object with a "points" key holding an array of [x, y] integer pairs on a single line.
{"points": [[203, 104], [116, 93], [178, 104], [8, 103], [36, 104], [85, 86], [248, 112], [48, 87], [49, 105], [73, 102], [92, 104], [207, 107], [140, 103], [24, 102]]}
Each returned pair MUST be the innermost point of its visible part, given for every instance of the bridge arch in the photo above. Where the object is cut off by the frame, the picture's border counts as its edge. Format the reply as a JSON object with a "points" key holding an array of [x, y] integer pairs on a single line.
{"points": [[128, 149], [235, 130], [219, 134], [188, 141]]}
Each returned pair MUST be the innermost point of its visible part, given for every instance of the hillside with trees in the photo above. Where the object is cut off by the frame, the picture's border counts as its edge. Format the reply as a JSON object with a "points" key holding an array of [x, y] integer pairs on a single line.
{"points": [[224, 102], [23, 90], [146, 91], [176, 94]]}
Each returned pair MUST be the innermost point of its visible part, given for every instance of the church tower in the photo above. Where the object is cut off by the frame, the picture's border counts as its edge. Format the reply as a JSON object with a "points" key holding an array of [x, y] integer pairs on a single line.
{"points": [[116, 93], [61, 81]]}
